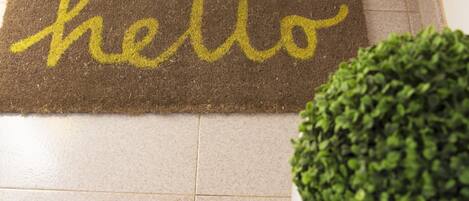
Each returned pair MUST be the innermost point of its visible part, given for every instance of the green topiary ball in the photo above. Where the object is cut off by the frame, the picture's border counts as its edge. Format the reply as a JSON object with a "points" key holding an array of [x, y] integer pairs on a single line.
{"points": [[390, 125]]}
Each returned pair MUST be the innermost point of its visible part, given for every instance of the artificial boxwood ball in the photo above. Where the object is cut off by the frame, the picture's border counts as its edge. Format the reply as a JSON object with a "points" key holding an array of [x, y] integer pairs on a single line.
{"points": [[390, 125]]}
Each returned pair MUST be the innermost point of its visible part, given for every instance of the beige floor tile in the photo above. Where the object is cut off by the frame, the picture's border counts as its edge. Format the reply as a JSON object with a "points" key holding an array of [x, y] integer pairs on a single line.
{"points": [[415, 22], [395, 5], [245, 154], [225, 198], [27, 195], [413, 5], [106, 153], [431, 13], [381, 23]]}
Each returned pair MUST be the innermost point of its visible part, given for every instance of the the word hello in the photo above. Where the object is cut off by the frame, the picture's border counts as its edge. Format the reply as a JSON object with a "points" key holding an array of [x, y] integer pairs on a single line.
{"points": [[131, 48]]}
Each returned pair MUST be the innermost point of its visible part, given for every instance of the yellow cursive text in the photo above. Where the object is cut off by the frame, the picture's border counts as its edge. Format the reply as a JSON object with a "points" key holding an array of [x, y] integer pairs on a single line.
{"points": [[131, 48]]}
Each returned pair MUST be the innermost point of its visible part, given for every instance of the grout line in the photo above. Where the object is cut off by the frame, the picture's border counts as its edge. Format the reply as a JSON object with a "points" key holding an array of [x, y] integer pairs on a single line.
{"points": [[243, 196], [409, 23], [391, 11], [136, 193], [420, 19], [90, 191], [197, 157], [444, 17], [443, 13]]}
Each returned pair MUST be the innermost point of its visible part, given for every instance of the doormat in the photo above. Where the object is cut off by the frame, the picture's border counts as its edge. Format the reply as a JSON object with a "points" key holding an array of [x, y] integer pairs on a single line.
{"points": [[162, 56]]}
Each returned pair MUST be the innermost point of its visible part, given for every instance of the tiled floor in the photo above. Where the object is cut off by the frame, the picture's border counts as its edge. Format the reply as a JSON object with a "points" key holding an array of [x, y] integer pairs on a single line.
{"points": [[182, 157]]}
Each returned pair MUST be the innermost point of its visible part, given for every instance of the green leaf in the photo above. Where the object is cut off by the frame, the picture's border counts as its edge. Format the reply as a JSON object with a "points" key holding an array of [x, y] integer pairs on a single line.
{"points": [[405, 93], [360, 195], [367, 121], [384, 197], [324, 124], [324, 144], [393, 141], [353, 164], [424, 87], [464, 177], [401, 110], [450, 184], [465, 192]]}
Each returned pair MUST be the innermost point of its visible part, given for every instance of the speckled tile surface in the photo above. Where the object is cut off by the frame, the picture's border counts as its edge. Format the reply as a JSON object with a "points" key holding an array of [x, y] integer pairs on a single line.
{"points": [[145, 154], [245, 155], [53, 195], [226, 198]]}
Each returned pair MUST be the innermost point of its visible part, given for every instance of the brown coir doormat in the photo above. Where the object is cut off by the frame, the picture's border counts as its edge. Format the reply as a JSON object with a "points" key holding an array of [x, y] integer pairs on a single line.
{"points": [[159, 56]]}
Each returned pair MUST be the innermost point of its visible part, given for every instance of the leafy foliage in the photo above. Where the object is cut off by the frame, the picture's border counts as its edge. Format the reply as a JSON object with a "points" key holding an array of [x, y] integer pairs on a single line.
{"points": [[390, 125]]}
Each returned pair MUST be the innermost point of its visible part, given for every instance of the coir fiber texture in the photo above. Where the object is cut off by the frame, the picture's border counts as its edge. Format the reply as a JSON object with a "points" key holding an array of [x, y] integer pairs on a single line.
{"points": [[162, 56]]}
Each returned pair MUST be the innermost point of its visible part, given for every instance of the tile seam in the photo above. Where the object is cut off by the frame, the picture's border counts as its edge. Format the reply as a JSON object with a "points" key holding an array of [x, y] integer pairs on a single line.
{"points": [[197, 157], [391, 11], [135, 193], [409, 24], [90, 191]]}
